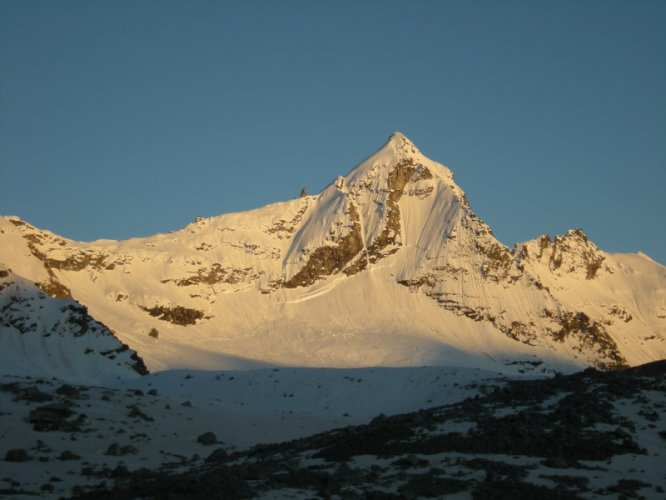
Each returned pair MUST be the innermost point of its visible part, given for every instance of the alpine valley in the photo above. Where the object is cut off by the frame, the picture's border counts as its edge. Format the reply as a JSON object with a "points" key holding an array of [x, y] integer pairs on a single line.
{"points": [[383, 294]]}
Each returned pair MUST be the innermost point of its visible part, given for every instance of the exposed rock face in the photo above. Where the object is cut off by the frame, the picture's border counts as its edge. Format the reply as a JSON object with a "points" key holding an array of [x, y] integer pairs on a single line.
{"points": [[75, 261], [326, 260], [178, 315], [217, 274], [391, 234], [572, 254], [590, 335]]}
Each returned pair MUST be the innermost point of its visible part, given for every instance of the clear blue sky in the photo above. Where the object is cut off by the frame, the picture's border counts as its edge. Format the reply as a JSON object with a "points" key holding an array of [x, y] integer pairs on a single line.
{"points": [[127, 118]]}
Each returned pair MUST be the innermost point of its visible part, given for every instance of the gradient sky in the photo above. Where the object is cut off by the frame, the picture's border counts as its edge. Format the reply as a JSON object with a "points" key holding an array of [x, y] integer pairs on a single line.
{"points": [[127, 118]]}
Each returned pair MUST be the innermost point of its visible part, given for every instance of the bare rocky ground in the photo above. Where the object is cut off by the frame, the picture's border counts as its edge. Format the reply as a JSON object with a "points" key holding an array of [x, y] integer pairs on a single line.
{"points": [[588, 435], [56, 436], [57, 439]]}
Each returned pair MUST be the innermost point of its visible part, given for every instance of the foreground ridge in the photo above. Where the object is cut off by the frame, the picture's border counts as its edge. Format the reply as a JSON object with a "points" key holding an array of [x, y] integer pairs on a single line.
{"points": [[564, 437]]}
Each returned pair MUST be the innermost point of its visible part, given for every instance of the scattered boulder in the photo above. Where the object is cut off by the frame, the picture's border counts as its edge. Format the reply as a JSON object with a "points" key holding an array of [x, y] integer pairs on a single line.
{"points": [[135, 412], [115, 450], [21, 393], [17, 455], [69, 455], [207, 439], [68, 391], [50, 417]]}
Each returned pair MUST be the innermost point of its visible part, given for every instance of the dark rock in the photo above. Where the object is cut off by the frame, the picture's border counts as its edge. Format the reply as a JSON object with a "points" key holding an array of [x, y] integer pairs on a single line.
{"points": [[508, 489], [87, 471], [115, 450], [120, 471], [68, 391], [207, 439], [33, 394], [577, 482], [328, 259], [51, 417], [410, 461], [496, 469], [17, 455], [625, 486], [218, 455], [427, 486], [556, 463], [135, 412], [178, 315], [69, 455], [129, 450]]}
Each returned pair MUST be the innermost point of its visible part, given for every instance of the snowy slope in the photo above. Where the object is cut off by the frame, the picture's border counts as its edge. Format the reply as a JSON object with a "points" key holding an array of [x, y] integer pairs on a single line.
{"points": [[387, 266], [42, 336]]}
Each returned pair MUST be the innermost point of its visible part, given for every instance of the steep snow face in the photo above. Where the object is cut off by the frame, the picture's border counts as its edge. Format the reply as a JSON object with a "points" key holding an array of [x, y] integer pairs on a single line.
{"points": [[388, 265], [395, 199], [43, 336]]}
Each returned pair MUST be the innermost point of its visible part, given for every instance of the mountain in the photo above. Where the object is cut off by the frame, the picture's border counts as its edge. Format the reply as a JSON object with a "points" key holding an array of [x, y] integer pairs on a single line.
{"points": [[388, 265]]}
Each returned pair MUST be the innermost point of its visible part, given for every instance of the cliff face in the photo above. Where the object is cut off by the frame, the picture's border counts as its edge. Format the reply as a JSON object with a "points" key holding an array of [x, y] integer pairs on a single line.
{"points": [[387, 265]]}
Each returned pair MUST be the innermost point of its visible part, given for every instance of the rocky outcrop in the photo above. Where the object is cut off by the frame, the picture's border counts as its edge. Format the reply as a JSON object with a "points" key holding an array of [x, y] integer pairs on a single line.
{"points": [[590, 336], [572, 255], [178, 315], [76, 261], [216, 274], [283, 228], [327, 260], [390, 235]]}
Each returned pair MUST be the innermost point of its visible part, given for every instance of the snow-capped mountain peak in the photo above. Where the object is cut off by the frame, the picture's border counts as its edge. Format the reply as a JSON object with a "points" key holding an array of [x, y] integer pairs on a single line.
{"points": [[401, 144], [388, 265], [398, 151]]}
